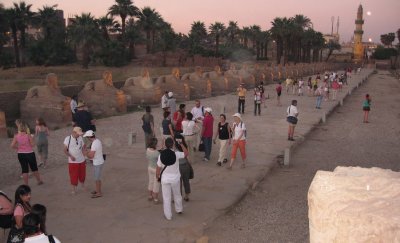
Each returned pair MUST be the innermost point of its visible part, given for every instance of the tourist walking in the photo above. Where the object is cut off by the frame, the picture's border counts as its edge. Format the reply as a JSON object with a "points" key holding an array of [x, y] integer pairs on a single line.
{"points": [[96, 154], [189, 132], [42, 143], [23, 143], [166, 124], [32, 231], [83, 118], [186, 170], [171, 103], [239, 140], [335, 88], [278, 93], [73, 104], [207, 133], [289, 85], [164, 101], [74, 148], [198, 116], [301, 86], [291, 118], [320, 95], [241, 91], [263, 96], [152, 157], [148, 126], [309, 87], [22, 207], [257, 101], [366, 107], [169, 175], [224, 137]]}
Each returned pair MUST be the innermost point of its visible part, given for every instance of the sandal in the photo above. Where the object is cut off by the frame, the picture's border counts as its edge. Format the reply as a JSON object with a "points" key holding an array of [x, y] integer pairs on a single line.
{"points": [[40, 183], [186, 199], [150, 198], [96, 195], [93, 192], [155, 200]]}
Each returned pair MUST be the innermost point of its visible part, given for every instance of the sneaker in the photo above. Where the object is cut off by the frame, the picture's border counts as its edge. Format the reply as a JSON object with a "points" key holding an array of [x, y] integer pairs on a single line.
{"points": [[219, 163], [225, 161], [206, 160]]}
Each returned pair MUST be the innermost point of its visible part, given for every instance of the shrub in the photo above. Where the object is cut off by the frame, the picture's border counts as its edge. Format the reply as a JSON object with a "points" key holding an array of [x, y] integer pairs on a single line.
{"points": [[382, 53]]}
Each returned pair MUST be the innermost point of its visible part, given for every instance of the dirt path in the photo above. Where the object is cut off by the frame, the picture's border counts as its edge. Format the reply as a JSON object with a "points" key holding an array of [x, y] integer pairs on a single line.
{"points": [[277, 210]]}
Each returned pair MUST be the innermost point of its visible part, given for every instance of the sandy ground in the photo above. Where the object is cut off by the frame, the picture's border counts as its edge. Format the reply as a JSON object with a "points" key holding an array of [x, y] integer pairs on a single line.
{"points": [[123, 214], [277, 210]]}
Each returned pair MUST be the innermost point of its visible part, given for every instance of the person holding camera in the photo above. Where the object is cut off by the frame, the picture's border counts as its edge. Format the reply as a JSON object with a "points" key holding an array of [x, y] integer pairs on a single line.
{"points": [[168, 174]]}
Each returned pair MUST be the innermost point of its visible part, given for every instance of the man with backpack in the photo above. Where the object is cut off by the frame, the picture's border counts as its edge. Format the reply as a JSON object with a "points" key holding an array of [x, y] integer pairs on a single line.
{"points": [[73, 148]]}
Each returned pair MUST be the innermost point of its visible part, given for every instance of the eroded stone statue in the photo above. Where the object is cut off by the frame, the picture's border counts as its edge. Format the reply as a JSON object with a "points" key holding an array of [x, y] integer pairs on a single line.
{"points": [[3, 126], [102, 98], [246, 77], [233, 77], [220, 84], [200, 87], [48, 103], [174, 83], [142, 89]]}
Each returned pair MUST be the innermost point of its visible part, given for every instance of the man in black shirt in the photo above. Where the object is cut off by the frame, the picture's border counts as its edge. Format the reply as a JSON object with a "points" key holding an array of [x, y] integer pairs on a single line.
{"points": [[83, 118]]}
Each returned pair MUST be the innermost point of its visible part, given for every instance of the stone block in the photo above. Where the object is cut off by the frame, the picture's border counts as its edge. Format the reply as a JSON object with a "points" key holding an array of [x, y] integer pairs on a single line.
{"points": [[353, 204]]}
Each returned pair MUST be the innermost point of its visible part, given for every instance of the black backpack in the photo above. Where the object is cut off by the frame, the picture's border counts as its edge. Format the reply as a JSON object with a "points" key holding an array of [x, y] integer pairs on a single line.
{"points": [[6, 220]]}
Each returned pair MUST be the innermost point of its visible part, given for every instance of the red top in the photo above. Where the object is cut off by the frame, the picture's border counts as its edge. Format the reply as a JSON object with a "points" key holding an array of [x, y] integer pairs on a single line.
{"points": [[208, 126], [279, 88], [178, 121]]}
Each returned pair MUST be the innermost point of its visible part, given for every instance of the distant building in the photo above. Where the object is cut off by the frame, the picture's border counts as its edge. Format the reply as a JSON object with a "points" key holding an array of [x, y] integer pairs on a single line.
{"points": [[358, 49]]}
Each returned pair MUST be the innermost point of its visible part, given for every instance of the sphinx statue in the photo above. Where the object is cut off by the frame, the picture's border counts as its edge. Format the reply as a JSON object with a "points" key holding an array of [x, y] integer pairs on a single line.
{"points": [[3, 127], [48, 103], [220, 84], [233, 77], [174, 83], [142, 89], [102, 98], [200, 87], [258, 73], [246, 77]]}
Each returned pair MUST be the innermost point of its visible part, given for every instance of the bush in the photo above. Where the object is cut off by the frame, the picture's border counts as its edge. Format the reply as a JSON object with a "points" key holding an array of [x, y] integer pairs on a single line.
{"points": [[114, 54], [382, 53], [48, 53], [6, 59]]}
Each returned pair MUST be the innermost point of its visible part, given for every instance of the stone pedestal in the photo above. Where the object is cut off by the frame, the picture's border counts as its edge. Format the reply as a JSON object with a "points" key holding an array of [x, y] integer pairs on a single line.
{"points": [[353, 204], [3, 126], [48, 103]]}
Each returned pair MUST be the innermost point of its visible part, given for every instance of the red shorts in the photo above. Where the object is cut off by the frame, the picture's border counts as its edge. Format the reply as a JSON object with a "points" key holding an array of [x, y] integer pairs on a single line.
{"points": [[77, 172]]}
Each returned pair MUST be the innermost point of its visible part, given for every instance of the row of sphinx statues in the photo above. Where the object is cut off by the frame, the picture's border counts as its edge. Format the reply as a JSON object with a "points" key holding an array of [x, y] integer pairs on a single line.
{"points": [[103, 99]]}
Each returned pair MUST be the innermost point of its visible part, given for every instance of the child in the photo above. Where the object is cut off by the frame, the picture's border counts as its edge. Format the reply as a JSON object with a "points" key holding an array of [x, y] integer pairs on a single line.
{"points": [[41, 134], [366, 107]]}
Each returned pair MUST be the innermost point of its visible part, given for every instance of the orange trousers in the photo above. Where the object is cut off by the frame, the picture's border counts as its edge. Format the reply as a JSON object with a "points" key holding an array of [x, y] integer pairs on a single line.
{"points": [[241, 144]]}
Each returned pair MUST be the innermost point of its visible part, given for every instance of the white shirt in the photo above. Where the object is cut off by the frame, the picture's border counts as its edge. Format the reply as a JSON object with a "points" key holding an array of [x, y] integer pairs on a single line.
{"points": [[171, 174], [73, 105], [42, 238], [292, 111], [98, 155], [75, 148], [164, 101], [198, 112], [238, 129], [188, 127]]}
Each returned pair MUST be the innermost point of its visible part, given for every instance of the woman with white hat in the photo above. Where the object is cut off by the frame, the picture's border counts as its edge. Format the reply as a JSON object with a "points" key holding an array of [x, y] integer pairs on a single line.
{"points": [[239, 139]]}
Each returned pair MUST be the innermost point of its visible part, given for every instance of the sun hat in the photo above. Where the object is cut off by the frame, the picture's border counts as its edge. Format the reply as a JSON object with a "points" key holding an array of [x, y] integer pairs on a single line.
{"points": [[167, 157], [89, 133], [80, 104], [78, 130], [208, 109], [170, 94], [238, 116]]}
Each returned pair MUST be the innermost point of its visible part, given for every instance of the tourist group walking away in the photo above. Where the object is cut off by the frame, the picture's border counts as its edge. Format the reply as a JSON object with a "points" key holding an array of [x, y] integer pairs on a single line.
{"points": [[186, 137]]}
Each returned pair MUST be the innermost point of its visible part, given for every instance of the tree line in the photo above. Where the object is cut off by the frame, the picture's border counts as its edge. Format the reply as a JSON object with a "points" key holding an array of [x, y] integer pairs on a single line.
{"points": [[112, 42]]}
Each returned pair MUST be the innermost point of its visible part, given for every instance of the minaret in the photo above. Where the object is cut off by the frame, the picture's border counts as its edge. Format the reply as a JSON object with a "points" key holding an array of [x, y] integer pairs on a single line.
{"points": [[358, 49]]}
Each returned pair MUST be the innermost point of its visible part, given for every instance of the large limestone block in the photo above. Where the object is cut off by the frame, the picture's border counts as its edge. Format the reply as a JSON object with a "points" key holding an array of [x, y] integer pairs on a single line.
{"points": [[353, 204], [3, 127]]}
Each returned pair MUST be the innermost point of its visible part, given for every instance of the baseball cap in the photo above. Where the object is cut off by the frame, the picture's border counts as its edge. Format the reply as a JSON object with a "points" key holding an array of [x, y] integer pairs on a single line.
{"points": [[238, 115], [208, 109], [89, 133]]}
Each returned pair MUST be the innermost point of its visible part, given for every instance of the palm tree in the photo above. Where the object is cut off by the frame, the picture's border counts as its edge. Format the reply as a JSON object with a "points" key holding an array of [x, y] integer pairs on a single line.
{"points": [[255, 32], [245, 33], [281, 31], [123, 9], [232, 31], [332, 45], [4, 27], [85, 32], [24, 17], [11, 16], [132, 35], [197, 35], [301, 23], [106, 23], [217, 29], [387, 39], [149, 20], [48, 21]]}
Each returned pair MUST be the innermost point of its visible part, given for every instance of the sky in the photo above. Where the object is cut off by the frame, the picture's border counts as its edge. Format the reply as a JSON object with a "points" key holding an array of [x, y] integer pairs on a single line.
{"points": [[384, 18]]}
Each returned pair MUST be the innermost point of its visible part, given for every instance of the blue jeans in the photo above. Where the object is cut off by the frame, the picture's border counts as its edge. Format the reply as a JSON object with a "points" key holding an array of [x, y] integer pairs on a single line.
{"points": [[207, 147], [319, 101]]}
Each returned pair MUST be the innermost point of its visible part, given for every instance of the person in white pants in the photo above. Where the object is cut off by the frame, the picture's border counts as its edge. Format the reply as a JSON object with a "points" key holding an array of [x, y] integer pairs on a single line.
{"points": [[224, 137], [168, 172]]}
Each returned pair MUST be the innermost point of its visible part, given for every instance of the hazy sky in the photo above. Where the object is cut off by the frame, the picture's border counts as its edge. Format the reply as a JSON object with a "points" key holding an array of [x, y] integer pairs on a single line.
{"points": [[384, 16]]}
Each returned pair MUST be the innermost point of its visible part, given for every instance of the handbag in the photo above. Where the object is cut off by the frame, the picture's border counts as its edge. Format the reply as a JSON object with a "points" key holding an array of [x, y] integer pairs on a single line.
{"points": [[292, 119], [16, 235]]}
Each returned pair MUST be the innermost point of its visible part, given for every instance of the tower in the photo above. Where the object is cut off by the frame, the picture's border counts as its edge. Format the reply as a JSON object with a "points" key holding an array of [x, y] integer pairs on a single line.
{"points": [[358, 49]]}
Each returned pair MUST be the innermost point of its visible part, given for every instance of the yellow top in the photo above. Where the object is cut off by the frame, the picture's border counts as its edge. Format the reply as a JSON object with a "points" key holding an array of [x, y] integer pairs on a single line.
{"points": [[241, 91]]}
